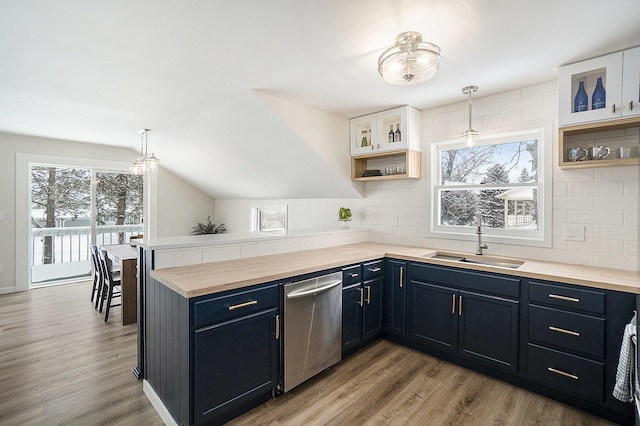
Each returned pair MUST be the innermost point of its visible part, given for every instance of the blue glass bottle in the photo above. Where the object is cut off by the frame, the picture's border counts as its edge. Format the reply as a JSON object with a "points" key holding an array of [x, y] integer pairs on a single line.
{"points": [[599, 97], [581, 102]]}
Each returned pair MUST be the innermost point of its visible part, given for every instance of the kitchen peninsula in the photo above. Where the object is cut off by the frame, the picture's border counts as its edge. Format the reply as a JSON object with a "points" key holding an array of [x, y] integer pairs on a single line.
{"points": [[187, 315]]}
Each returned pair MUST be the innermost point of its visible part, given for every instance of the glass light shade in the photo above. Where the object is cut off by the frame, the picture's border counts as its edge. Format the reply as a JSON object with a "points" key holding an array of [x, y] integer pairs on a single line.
{"points": [[152, 163], [471, 137], [411, 61]]}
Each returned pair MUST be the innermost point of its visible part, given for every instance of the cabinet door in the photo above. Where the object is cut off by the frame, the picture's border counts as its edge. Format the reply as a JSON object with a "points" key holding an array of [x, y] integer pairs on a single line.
{"points": [[363, 134], [432, 315], [396, 278], [609, 68], [631, 82], [352, 297], [373, 307], [488, 329], [234, 362], [390, 121]]}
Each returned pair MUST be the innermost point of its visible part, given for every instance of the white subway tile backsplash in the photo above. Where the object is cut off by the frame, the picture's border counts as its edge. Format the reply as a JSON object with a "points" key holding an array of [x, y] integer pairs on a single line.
{"points": [[603, 200], [605, 260], [225, 252], [595, 188], [256, 249]]}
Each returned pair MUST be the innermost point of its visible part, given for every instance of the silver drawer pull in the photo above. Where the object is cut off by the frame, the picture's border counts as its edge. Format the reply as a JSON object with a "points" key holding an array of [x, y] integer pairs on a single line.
{"points": [[562, 373], [243, 305], [374, 269], [565, 331], [565, 298], [353, 275]]}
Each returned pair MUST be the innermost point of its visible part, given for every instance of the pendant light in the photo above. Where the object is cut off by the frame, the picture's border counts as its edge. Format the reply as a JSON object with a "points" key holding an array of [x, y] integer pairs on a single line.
{"points": [[410, 61], [146, 163], [470, 136]]}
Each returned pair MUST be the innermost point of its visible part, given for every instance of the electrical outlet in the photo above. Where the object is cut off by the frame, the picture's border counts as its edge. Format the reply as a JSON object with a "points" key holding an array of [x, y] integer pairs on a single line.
{"points": [[574, 233]]}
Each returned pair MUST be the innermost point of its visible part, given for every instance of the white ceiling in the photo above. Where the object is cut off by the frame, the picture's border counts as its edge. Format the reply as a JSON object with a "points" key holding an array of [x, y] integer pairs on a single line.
{"points": [[97, 71]]}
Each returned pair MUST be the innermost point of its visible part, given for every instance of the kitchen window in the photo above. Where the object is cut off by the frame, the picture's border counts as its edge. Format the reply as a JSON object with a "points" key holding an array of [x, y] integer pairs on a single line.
{"points": [[269, 218], [502, 177]]}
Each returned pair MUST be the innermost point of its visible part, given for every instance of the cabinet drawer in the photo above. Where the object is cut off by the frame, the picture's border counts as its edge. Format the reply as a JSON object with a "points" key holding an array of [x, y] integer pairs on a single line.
{"points": [[351, 275], [465, 279], [567, 297], [567, 330], [212, 310], [567, 372], [373, 269]]}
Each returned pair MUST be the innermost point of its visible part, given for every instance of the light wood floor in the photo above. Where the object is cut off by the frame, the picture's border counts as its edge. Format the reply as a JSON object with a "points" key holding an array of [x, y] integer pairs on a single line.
{"points": [[61, 364]]}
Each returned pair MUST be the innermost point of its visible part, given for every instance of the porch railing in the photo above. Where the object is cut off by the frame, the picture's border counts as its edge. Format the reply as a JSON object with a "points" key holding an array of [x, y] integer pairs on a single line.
{"points": [[72, 244]]}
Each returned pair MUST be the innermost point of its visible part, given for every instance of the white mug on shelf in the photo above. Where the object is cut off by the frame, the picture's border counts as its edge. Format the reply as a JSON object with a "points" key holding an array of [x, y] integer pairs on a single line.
{"points": [[599, 152]]}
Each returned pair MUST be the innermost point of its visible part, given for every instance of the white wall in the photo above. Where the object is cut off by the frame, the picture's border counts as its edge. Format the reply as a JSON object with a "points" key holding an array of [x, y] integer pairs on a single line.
{"points": [[604, 200], [302, 213], [174, 194]]}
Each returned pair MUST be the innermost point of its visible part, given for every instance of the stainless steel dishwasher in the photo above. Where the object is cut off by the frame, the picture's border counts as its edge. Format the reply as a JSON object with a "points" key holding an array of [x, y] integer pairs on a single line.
{"points": [[312, 327]]}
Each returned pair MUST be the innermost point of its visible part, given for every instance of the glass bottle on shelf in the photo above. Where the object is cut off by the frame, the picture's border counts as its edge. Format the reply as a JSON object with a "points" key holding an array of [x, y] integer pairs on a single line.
{"points": [[391, 134], [581, 101], [599, 97], [364, 141], [398, 135]]}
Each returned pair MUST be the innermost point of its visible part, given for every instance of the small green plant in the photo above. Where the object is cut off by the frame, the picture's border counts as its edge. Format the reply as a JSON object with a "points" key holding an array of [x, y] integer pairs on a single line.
{"points": [[208, 227]]}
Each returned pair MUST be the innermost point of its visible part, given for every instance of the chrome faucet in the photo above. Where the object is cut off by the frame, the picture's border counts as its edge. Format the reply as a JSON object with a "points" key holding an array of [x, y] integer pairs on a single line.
{"points": [[480, 246]]}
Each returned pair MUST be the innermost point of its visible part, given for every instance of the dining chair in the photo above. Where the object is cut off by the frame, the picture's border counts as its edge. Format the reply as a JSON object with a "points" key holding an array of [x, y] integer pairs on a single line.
{"points": [[111, 288], [97, 277]]}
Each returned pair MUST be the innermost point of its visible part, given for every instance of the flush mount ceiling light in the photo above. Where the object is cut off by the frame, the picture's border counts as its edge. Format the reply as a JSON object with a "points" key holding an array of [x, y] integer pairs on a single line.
{"points": [[146, 163], [470, 136], [410, 61]]}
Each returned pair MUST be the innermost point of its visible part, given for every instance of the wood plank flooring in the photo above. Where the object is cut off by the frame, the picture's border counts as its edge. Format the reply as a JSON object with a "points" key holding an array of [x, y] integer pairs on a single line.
{"points": [[60, 364]]}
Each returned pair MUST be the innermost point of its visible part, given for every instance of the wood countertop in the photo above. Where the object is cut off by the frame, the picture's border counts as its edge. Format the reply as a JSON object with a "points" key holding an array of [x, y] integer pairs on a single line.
{"points": [[208, 278]]}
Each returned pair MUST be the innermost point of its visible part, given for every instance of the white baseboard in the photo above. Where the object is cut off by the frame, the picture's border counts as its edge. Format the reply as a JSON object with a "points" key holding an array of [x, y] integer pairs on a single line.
{"points": [[7, 290], [153, 397]]}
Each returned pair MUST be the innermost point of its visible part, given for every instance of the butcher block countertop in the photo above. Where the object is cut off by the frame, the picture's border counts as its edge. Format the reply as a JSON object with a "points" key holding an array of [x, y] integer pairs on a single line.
{"points": [[208, 278]]}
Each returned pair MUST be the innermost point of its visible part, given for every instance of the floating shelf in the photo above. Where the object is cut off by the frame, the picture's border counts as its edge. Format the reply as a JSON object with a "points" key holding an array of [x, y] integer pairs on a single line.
{"points": [[409, 158]]}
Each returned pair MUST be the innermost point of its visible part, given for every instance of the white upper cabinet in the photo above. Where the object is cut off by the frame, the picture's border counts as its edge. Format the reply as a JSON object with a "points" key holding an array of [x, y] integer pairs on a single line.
{"points": [[631, 83], [390, 130], [578, 88]]}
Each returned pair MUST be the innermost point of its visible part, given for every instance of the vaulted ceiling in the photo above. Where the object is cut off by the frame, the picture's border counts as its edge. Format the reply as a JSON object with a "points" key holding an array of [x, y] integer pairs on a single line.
{"points": [[204, 74]]}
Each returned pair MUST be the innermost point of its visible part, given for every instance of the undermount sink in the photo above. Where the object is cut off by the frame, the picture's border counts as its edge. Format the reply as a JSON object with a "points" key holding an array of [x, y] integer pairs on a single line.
{"points": [[488, 261]]}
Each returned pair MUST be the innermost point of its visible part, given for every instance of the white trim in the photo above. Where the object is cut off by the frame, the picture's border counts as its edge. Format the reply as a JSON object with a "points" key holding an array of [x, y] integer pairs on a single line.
{"points": [[156, 402], [23, 200], [7, 290], [543, 131]]}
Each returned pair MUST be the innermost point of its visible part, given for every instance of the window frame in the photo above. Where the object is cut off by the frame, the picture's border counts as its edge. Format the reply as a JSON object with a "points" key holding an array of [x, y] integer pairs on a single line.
{"points": [[542, 237], [256, 214]]}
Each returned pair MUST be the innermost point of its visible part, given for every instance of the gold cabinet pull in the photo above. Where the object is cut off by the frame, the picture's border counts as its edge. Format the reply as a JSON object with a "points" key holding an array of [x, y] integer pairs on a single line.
{"points": [[613, 109], [243, 305], [361, 296], [374, 269], [565, 298], [453, 303], [630, 105], [460, 305], [565, 331], [277, 327], [368, 294], [562, 373], [401, 275]]}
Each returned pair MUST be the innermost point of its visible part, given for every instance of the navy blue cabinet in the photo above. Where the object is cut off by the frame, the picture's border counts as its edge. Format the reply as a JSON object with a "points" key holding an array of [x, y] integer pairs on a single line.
{"points": [[235, 349], [362, 304], [395, 297], [474, 325]]}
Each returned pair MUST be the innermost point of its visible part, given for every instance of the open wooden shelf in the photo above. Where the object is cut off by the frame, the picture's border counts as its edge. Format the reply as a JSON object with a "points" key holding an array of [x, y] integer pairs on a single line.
{"points": [[564, 133], [410, 159]]}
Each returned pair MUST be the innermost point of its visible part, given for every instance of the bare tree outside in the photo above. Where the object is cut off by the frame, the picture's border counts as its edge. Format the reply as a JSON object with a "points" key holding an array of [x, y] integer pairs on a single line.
{"points": [[118, 200], [480, 178]]}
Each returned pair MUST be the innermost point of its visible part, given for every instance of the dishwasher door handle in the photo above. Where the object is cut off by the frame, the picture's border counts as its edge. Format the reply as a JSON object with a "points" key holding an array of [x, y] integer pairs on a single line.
{"points": [[313, 291]]}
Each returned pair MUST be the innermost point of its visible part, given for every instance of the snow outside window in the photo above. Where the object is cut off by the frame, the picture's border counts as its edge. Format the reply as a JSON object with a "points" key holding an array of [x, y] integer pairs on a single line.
{"points": [[502, 177], [269, 218]]}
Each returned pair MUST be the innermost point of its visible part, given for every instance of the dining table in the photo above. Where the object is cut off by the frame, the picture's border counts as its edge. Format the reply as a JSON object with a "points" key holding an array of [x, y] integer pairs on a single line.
{"points": [[127, 257]]}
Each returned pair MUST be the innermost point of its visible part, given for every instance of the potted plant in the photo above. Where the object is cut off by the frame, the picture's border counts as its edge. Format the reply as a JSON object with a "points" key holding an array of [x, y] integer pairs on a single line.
{"points": [[208, 227]]}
